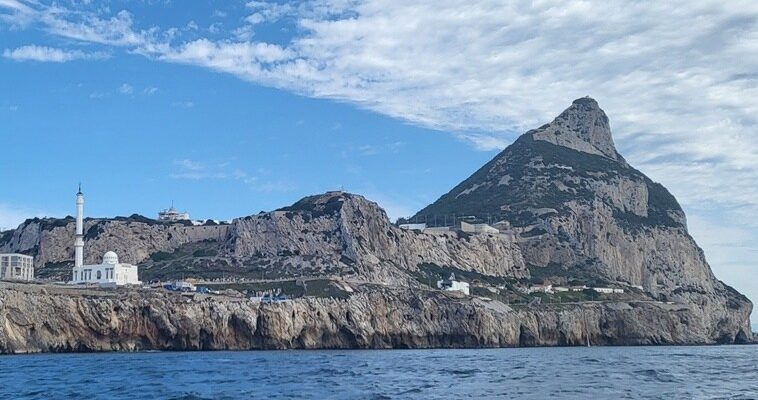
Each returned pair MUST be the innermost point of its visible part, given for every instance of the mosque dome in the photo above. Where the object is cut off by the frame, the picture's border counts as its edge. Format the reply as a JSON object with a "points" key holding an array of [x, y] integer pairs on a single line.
{"points": [[110, 258]]}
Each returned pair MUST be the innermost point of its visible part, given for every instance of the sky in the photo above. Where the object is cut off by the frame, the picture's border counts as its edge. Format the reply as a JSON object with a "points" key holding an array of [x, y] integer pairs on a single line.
{"points": [[229, 108]]}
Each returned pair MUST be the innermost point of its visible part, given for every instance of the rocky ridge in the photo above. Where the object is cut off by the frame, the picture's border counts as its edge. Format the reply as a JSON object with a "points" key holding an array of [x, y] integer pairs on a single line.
{"points": [[575, 208]]}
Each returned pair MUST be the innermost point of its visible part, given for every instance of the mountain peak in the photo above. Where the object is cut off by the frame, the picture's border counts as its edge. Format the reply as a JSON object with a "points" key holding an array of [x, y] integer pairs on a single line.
{"points": [[582, 127]]}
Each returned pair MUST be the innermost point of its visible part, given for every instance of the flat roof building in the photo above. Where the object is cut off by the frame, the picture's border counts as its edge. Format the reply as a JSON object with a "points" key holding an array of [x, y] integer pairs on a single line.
{"points": [[16, 266]]}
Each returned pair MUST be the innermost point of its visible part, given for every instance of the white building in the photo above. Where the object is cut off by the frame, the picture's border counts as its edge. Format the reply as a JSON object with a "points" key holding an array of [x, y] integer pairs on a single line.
{"points": [[110, 271], [413, 227], [451, 284], [170, 214], [16, 266], [540, 289], [607, 290]]}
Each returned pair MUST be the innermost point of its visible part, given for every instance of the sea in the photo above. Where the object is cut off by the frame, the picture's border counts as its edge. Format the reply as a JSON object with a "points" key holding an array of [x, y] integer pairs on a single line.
{"points": [[713, 372]]}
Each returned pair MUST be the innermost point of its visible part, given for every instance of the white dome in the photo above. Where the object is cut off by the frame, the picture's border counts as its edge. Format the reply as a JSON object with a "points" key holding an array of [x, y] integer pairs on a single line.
{"points": [[110, 258]]}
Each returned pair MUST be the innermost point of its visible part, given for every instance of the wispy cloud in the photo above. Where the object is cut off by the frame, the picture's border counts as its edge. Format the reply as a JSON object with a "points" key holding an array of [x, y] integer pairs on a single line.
{"points": [[50, 54], [260, 179], [125, 88]]}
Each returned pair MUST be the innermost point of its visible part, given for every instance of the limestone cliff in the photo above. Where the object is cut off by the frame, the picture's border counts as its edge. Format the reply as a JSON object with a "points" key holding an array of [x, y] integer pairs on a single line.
{"points": [[134, 239], [333, 234], [62, 320], [579, 210], [571, 209]]}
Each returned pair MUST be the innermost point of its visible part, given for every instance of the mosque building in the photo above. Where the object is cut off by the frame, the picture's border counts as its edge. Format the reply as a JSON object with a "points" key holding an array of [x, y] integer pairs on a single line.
{"points": [[110, 271]]}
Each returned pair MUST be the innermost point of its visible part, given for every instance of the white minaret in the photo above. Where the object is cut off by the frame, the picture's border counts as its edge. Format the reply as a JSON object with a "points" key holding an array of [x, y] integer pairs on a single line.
{"points": [[79, 242]]}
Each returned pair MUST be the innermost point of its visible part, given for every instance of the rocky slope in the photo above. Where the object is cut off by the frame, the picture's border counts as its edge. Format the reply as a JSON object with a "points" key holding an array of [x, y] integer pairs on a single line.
{"points": [[134, 239], [325, 235], [577, 213], [62, 320], [580, 210]]}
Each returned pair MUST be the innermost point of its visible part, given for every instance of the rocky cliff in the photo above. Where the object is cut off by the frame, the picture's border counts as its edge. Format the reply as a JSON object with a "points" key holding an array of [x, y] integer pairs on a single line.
{"points": [[569, 208], [333, 234], [580, 210], [36, 319]]}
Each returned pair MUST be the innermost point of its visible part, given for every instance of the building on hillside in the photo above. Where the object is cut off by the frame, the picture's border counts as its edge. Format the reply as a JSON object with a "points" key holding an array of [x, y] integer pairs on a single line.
{"points": [[477, 228], [451, 284], [413, 227], [110, 271], [607, 290], [17, 267], [171, 214], [540, 289]]}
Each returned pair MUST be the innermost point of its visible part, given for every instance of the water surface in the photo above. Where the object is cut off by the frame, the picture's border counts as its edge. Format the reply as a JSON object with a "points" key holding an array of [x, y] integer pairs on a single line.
{"points": [[532, 373]]}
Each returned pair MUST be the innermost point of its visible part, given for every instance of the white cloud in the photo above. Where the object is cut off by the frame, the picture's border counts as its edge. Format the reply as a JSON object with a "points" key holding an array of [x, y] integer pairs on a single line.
{"points": [[50, 54], [260, 181], [125, 88], [149, 91]]}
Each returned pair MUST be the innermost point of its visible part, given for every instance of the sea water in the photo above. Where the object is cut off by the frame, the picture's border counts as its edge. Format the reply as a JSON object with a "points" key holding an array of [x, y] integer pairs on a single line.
{"points": [[532, 373]]}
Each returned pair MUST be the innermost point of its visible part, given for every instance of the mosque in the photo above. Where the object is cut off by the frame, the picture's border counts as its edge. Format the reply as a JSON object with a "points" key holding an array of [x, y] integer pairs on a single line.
{"points": [[110, 271]]}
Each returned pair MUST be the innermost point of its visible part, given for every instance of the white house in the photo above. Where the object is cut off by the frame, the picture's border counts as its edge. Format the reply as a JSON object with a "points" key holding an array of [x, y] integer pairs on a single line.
{"points": [[451, 284], [110, 271], [16, 266]]}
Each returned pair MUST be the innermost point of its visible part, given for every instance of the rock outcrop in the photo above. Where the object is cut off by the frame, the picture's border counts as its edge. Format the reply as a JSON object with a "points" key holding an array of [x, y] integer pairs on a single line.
{"points": [[580, 210], [333, 234], [569, 209], [64, 320]]}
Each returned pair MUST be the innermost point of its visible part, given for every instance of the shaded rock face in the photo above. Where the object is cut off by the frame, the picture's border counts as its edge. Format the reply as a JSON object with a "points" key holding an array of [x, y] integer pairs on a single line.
{"points": [[578, 208], [376, 317]]}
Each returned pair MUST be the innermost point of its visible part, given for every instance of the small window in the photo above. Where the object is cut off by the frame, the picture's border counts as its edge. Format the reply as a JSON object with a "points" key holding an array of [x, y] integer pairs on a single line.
{"points": [[99, 274]]}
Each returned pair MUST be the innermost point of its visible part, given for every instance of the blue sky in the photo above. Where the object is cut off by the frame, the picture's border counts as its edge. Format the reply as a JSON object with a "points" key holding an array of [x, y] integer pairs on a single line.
{"points": [[229, 108]]}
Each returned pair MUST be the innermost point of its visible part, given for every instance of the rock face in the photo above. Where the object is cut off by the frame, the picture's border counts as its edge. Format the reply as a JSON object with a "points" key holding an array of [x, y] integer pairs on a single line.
{"points": [[134, 239], [331, 234], [62, 321], [569, 207], [341, 233], [579, 209]]}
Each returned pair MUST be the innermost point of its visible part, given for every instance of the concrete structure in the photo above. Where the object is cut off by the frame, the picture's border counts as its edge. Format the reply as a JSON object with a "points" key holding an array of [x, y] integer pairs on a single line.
{"points": [[451, 284], [16, 266], [540, 289], [607, 290], [79, 241], [110, 271], [413, 227], [170, 214], [477, 228]]}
